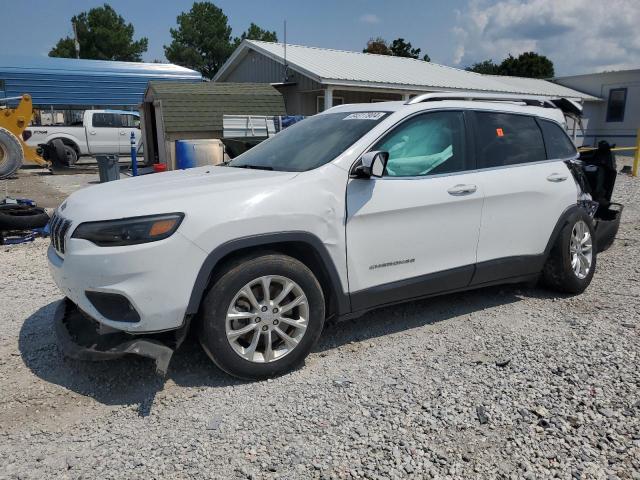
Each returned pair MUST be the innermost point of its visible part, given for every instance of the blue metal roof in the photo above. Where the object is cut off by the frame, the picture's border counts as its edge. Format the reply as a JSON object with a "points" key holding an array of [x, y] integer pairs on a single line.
{"points": [[72, 82]]}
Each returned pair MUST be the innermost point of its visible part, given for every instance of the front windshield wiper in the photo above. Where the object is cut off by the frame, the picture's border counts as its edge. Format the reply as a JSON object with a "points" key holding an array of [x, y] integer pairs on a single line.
{"points": [[254, 167]]}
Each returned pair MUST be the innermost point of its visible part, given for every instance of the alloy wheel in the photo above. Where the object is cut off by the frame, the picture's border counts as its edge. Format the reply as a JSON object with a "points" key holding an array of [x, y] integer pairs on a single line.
{"points": [[581, 249], [267, 319]]}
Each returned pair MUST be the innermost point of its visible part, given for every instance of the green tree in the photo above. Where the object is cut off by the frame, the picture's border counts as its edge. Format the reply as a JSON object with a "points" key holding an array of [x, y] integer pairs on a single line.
{"points": [[528, 64], [378, 46], [102, 35], [254, 32], [486, 67], [398, 48], [202, 40]]}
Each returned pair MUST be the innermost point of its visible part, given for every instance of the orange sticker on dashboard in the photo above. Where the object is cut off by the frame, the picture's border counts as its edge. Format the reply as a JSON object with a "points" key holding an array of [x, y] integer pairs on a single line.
{"points": [[499, 132]]}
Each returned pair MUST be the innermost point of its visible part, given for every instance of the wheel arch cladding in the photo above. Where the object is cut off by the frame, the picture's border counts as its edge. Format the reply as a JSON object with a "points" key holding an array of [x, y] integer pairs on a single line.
{"points": [[302, 246], [568, 215]]}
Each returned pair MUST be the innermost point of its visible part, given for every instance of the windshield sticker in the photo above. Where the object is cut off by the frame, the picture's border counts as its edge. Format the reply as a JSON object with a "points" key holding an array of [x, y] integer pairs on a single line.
{"points": [[365, 116]]}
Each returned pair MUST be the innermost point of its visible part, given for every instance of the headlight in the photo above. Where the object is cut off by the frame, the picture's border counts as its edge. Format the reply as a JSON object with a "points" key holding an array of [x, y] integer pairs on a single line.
{"points": [[129, 231]]}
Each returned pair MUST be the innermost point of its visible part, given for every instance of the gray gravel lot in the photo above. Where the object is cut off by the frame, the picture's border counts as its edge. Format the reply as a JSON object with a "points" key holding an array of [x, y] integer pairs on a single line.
{"points": [[504, 382]]}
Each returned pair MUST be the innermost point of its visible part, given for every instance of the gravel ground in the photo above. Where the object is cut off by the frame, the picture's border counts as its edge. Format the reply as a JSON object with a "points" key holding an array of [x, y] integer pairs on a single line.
{"points": [[497, 383]]}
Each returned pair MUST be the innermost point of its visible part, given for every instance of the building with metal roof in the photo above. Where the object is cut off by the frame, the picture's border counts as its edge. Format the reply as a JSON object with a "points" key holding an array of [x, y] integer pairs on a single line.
{"points": [[63, 87], [617, 118], [174, 111], [308, 75]]}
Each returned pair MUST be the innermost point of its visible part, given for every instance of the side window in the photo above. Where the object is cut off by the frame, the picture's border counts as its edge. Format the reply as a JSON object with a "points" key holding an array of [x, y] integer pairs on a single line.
{"points": [[616, 104], [130, 121], [507, 139], [557, 141], [428, 144], [106, 120]]}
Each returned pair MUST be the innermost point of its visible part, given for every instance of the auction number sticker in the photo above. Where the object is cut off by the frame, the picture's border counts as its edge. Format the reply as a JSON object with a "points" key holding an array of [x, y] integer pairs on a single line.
{"points": [[365, 116]]}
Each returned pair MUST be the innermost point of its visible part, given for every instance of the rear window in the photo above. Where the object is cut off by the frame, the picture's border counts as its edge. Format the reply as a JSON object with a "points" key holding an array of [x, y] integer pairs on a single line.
{"points": [[507, 139], [557, 141]]}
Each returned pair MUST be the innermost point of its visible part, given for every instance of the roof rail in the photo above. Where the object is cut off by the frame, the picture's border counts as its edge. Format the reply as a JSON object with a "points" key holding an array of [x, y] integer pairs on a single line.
{"points": [[486, 97]]}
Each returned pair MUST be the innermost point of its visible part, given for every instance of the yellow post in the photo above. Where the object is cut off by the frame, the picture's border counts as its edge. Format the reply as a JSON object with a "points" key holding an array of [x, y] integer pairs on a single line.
{"points": [[636, 156]]}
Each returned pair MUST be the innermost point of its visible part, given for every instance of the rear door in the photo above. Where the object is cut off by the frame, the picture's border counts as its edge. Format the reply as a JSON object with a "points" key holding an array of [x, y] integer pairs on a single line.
{"points": [[414, 231], [129, 123], [102, 135], [525, 194]]}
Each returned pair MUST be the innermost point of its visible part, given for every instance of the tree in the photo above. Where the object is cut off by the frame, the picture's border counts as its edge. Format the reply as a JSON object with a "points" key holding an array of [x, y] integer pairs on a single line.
{"points": [[486, 67], [102, 35], [397, 48], [377, 46], [202, 40], [254, 32], [528, 64], [400, 48]]}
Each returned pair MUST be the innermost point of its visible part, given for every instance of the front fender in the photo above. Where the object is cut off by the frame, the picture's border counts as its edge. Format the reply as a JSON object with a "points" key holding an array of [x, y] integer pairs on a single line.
{"points": [[269, 239]]}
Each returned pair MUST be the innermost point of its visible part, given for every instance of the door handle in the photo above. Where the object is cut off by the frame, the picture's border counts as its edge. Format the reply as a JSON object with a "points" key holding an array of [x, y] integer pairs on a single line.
{"points": [[460, 189], [92, 132], [556, 177]]}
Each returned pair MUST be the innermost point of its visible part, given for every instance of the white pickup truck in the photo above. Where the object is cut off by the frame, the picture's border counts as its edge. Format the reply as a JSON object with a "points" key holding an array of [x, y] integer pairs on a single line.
{"points": [[101, 131]]}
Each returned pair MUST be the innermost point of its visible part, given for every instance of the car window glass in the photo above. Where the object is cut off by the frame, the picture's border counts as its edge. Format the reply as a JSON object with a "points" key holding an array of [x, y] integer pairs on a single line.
{"points": [[507, 139], [311, 142], [106, 120], [558, 143], [130, 121], [428, 144]]}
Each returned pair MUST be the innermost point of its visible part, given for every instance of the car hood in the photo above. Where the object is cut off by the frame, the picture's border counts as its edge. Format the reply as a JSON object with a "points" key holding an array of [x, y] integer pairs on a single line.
{"points": [[174, 191]]}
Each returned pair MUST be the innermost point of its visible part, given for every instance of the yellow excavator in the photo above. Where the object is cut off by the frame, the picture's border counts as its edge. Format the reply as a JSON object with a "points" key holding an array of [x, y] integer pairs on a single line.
{"points": [[13, 150]]}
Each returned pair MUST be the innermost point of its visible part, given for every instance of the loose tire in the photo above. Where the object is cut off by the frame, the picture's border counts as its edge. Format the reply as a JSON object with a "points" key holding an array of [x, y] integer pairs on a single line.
{"points": [[63, 154], [22, 217], [253, 335], [572, 260], [11, 153]]}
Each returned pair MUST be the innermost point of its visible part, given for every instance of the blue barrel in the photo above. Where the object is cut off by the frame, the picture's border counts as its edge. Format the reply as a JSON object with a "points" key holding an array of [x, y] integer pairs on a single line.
{"points": [[185, 154]]}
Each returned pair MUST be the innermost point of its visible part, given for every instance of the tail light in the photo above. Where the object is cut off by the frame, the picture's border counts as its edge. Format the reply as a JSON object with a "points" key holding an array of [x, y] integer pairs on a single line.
{"points": [[26, 135]]}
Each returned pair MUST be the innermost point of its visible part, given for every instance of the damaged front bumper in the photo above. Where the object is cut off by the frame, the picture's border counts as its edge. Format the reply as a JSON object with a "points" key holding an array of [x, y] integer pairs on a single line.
{"points": [[82, 338]]}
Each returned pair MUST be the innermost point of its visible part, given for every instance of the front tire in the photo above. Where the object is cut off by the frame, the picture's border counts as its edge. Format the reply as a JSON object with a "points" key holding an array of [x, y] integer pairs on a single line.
{"points": [[262, 316], [572, 260]]}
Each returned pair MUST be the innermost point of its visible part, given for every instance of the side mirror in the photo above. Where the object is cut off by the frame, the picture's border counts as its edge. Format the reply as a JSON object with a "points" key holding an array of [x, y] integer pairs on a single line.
{"points": [[371, 164]]}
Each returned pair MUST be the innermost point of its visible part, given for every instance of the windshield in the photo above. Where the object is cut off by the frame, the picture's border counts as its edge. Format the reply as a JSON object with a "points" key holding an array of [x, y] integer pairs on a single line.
{"points": [[310, 143]]}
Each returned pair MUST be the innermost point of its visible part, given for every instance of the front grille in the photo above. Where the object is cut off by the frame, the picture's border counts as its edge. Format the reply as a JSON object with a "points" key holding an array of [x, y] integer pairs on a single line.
{"points": [[59, 227]]}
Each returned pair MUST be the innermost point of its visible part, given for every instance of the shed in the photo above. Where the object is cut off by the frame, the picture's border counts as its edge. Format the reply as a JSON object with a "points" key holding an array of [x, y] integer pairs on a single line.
{"points": [[174, 111]]}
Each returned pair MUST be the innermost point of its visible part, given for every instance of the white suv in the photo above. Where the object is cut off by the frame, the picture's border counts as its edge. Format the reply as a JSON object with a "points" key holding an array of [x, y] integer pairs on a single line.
{"points": [[358, 207]]}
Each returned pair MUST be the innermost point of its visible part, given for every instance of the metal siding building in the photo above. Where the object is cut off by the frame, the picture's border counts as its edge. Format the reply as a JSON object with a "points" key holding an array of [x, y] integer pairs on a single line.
{"points": [[598, 123], [311, 74], [64, 83]]}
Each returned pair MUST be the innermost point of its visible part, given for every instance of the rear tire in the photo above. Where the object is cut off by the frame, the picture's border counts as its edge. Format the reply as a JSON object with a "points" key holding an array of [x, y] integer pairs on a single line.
{"points": [[11, 153], [572, 260], [277, 337]]}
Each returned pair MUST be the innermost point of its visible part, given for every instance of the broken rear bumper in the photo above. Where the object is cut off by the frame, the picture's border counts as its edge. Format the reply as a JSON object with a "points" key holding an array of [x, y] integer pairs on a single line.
{"points": [[82, 338], [607, 225]]}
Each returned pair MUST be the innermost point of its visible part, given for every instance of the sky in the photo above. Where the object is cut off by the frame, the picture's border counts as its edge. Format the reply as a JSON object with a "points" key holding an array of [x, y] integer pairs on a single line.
{"points": [[579, 36]]}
